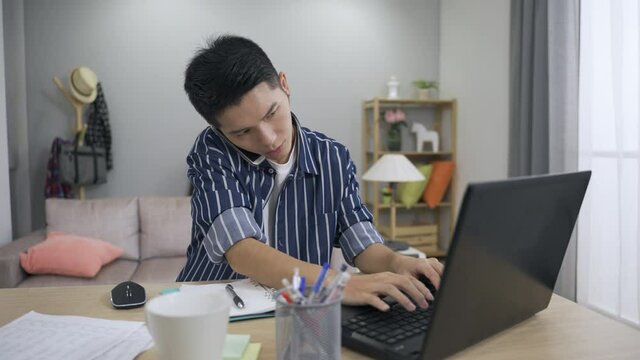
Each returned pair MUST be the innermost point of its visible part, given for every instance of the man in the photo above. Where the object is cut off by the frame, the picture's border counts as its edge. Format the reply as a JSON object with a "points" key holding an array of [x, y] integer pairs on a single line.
{"points": [[270, 195]]}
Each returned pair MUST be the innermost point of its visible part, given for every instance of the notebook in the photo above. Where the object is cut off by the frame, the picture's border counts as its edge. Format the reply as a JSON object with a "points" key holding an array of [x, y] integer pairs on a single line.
{"points": [[257, 298], [504, 259]]}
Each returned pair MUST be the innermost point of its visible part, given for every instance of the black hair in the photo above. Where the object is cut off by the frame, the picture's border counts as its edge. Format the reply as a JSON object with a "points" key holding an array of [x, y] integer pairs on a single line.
{"points": [[222, 72]]}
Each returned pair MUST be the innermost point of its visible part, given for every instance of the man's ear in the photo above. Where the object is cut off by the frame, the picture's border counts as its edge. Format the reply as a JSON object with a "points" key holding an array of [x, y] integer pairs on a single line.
{"points": [[282, 79]]}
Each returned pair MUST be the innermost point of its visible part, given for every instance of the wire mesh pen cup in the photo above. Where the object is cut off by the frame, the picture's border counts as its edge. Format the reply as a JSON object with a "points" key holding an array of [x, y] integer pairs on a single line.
{"points": [[309, 331]]}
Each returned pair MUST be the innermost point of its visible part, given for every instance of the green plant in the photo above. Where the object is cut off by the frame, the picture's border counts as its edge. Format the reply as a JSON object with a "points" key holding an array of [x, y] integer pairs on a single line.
{"points": [[424, 84]]}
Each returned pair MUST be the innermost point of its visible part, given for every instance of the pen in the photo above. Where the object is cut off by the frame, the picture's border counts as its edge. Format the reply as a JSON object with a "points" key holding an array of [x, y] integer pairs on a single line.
{"points": [[295, 281], [303, 284], [236, 299], [295, 295], [320, 280], [286, 297], [336, 291], [334, 283]]}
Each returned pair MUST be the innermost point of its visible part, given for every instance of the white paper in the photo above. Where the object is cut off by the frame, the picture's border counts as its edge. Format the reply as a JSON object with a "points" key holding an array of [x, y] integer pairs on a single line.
{"points": [[257, 298], [139, 341], [39, 336]]}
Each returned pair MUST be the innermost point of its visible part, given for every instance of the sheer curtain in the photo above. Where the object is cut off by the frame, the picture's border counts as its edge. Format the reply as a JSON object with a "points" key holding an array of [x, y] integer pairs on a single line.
{"points": [[608, 251]]}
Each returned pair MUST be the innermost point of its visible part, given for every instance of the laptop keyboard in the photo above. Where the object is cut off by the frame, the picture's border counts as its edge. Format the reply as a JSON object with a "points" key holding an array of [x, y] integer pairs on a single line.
{"points": [[391, 326]]}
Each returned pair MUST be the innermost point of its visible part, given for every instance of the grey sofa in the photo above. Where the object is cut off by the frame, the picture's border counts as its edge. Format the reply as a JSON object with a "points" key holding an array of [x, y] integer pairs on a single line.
{"points": [[153, 231]]}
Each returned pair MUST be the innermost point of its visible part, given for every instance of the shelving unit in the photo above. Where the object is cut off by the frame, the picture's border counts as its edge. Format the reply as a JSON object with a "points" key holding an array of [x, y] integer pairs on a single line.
{"points": [[432, 233]]}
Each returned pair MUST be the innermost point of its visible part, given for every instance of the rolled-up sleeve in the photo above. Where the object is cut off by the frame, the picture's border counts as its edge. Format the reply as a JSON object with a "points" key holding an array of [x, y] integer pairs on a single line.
{"points": [[227, 229], [354, 219], [220, 206]]}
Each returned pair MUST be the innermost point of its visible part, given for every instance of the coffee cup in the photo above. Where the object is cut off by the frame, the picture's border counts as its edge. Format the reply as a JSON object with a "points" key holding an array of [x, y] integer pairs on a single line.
{"points": [[188, 325]]}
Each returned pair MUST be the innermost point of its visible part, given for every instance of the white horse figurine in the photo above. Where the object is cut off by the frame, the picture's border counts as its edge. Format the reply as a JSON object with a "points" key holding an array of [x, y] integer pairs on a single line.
{"points": [[424, 135]]}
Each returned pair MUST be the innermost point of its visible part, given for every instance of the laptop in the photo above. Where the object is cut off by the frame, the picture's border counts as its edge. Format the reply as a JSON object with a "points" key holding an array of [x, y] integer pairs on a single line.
{"points": [[503, 262]]}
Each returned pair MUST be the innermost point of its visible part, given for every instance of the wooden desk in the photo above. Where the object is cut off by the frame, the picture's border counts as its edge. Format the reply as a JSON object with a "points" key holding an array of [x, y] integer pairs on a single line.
{"points": [[563, 331]]}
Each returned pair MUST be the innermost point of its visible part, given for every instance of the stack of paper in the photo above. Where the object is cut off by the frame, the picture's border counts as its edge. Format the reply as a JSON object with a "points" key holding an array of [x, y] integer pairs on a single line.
{"points": [[237, 347], [38, 336], [258, 299]]}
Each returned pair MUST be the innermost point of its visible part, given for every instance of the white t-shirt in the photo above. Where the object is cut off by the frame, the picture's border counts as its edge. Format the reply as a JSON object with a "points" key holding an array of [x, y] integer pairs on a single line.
{"points": [[269, 215]]}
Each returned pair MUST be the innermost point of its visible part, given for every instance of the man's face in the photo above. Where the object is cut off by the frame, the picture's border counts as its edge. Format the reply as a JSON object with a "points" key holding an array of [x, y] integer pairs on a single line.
{"points": [[261, 122]]}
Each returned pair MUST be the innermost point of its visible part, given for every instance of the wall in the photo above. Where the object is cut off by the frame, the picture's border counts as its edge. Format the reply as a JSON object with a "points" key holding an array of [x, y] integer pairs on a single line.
{"points": [[474, 67], [5, 193], [336, 53], [15, 79]]}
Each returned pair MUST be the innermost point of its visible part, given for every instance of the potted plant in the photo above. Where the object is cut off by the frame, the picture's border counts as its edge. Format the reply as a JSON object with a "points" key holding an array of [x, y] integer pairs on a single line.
{"points": [[426, 89], [386, 195], [395, 119]]}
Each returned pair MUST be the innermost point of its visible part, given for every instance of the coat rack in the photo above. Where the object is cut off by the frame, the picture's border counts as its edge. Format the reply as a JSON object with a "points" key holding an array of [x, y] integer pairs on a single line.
{"points": [[79, 126]]}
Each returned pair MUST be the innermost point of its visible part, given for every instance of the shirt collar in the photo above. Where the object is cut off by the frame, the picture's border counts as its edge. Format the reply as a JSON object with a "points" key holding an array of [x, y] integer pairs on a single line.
{"points": [[305, 161]]}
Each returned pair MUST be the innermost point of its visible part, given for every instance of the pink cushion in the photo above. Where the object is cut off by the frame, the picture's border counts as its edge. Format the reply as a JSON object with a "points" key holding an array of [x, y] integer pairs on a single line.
{"points": [[71, 255]]}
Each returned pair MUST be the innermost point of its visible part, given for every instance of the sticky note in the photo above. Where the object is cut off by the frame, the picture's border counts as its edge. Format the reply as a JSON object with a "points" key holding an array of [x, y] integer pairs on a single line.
{"points": [[252, 352], [234, 346], [169, 291]]}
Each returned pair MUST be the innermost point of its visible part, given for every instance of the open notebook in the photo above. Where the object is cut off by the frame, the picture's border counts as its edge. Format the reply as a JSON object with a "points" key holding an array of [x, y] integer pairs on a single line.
{"points": [[257, 298]]}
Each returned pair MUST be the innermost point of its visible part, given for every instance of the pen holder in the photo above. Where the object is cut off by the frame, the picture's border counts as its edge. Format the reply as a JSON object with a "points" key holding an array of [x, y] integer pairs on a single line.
{"points": [[309, 331]]}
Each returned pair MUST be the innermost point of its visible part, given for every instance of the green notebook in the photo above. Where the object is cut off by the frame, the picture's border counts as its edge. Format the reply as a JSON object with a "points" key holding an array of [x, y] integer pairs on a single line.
{"points": [[251, 317]]}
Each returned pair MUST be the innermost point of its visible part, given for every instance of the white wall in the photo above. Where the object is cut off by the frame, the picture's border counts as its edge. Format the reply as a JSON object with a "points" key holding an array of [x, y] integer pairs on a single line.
{"points": [[474, 67], [15, 80], [336, 53], [5, 192]]}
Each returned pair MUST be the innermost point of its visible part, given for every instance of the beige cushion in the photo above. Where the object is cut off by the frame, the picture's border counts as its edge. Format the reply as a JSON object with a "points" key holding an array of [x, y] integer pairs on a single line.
{"points": [[111, 220], [159, 269], [165, 226], [114, 273]]}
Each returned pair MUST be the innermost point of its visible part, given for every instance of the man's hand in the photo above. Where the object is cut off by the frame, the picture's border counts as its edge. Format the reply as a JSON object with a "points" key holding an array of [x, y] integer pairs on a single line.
{"points": [[431, 268], [367, 289], [393, 274]]}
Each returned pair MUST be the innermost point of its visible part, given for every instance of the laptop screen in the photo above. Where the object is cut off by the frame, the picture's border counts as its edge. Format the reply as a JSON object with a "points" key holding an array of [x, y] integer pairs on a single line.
{"points": [[505, 256]]}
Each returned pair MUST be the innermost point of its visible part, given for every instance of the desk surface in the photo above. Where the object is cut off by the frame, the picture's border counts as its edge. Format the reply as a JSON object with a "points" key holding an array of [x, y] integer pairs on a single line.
{"points": [[564, 330]]}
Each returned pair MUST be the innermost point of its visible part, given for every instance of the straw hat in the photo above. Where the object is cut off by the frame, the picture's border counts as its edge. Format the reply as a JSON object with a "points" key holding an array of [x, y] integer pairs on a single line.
{"points": [[83, 84]]}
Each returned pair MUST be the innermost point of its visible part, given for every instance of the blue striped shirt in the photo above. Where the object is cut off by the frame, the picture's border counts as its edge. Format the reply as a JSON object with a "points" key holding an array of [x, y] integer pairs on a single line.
{"points": [[319, 206]]}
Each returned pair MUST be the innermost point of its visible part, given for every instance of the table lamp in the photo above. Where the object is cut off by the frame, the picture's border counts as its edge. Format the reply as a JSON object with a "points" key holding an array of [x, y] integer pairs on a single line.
{"points": [[393, 168]]}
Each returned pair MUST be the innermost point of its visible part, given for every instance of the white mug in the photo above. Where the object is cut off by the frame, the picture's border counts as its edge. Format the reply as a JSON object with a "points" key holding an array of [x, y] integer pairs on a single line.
{"points": [[189, 325]]}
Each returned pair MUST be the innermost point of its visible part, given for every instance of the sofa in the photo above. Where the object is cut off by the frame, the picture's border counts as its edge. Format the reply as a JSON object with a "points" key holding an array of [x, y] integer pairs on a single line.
{"points": [[154, 233]]}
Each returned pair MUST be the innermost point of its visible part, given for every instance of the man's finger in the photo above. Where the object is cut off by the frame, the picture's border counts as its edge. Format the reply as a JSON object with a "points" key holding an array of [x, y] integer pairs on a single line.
{"points": [[426, 293], [376, 302], [401, 298], [410, 286], [414, 289], [431, 274], [437, 265], [422, 287]]}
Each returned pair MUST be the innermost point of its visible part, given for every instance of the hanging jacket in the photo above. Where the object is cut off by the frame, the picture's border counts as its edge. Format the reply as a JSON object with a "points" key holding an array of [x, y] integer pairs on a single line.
{"points": [[54, 187], [98, 128]]}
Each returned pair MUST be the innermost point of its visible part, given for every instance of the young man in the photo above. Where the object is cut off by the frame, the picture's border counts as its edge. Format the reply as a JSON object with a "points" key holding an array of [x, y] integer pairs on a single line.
{"points": [[270, 195]]}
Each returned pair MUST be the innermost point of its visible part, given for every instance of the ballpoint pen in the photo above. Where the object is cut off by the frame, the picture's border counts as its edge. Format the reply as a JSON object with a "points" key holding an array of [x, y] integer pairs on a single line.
{"points": [[334, 293], [236, 299], [319, 281], [295, 281], [287, 297], [339, 278], [303, 284], [295, 295]]}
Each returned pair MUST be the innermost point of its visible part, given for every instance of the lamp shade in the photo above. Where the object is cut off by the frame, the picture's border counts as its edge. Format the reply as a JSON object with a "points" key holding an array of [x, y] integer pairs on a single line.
{"points": [[393, 168]]}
